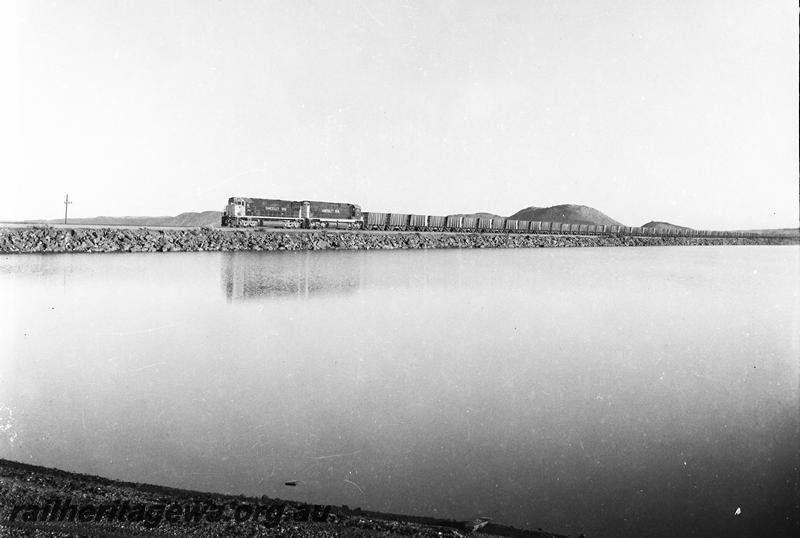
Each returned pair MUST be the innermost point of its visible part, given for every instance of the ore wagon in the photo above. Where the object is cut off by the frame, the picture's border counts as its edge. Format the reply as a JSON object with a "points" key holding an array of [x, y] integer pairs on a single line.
{"points": [[398, 221], [375, 221], [417, 222], [436, 223], [454, 223]]}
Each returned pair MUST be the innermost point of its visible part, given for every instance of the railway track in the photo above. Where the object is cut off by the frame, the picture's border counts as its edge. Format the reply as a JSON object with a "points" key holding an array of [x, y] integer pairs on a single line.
{"points": [[645, 232]]}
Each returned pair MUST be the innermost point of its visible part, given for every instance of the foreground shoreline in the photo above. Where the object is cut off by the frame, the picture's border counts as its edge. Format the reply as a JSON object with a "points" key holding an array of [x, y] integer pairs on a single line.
{"points": [[23, 485], [77, 239]]}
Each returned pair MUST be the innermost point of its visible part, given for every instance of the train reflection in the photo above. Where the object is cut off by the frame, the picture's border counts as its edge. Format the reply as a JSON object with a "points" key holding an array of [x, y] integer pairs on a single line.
{"points": [[248, 275]]}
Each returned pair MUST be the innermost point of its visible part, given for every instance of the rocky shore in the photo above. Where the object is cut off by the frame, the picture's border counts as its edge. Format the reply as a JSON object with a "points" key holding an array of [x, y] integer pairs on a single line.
{"points": [[51, 239], [42, 502]]}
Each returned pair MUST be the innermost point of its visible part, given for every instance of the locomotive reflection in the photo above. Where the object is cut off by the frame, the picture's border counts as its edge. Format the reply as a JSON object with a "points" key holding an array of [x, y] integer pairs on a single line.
{"points": [[247, 275]]}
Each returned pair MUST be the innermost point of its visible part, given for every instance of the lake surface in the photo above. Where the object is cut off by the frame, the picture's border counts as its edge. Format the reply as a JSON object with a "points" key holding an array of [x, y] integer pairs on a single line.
{"points": [[611, 391]]}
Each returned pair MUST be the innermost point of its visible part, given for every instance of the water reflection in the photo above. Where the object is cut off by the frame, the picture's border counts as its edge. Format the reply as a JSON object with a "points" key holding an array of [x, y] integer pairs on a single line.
{"points": [[609, 391], [247, 275], [250, 275]]}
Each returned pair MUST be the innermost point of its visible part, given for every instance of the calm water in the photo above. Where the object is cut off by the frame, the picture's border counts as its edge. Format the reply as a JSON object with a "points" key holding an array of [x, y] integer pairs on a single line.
{"points": [[614, 392]]}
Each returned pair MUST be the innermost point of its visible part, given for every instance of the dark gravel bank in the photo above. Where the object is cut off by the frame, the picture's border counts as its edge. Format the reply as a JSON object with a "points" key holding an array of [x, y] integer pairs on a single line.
{"points": [[46, 239], [24, 488]]}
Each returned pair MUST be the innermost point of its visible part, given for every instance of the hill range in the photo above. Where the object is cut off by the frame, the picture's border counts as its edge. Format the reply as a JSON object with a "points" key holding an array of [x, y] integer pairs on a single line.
{"points": [[659, 224], [568, 213], [189, 219]]}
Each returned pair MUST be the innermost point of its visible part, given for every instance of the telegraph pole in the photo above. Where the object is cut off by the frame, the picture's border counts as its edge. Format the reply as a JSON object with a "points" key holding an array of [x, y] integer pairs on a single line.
{"points": [[66, 207]]}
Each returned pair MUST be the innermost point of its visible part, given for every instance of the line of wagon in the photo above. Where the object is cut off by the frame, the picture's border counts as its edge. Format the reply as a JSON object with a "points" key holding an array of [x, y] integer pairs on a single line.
{"points": [[432, 223]]}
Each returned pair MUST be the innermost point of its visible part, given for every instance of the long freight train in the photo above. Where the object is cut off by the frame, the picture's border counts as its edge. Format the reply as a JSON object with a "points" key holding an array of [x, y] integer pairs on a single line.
{"points": [[260, 212]]}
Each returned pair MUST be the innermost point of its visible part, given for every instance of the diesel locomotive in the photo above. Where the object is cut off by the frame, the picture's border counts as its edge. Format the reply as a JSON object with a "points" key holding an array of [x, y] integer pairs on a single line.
{"points": [[253, 212], [261, 212]]}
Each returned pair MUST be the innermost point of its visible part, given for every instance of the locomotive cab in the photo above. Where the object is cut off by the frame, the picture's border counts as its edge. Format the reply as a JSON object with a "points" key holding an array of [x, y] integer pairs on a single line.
{"points": [[236, 209]]}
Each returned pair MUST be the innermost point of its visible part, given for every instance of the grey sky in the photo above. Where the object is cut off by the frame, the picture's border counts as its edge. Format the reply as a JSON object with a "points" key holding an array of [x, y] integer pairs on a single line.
{"points": [[683, 111]]}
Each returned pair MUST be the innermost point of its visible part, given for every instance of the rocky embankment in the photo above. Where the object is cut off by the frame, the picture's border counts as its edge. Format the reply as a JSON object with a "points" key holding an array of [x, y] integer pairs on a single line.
{"points": [[47, 239], [36, 501]]}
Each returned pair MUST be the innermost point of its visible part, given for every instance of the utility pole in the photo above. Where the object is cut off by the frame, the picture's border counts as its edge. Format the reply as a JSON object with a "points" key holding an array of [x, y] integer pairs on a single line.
{"points": [[66, 207]]}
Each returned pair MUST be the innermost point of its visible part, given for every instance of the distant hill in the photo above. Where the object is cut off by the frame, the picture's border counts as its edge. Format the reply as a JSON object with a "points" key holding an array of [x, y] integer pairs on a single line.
{"points": [[195, 220], [477, 215], [567, 213], [659, 224]]}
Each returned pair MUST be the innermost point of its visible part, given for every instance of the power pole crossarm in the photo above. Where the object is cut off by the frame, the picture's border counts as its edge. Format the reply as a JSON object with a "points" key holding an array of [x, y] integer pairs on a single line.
{"points": [[66, 207]]}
